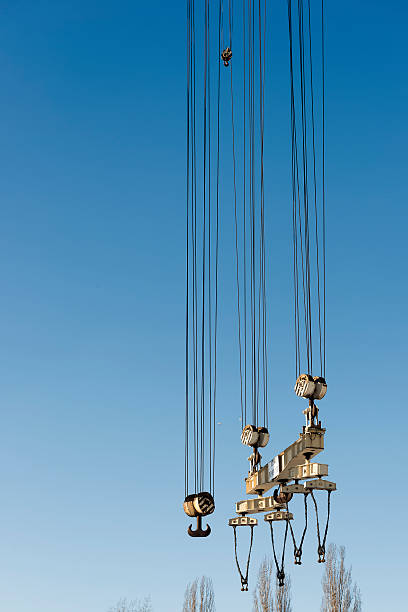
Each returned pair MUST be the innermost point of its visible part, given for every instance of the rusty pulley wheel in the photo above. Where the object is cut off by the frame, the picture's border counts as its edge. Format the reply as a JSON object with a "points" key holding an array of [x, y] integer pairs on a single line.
{"points": [[282, 498], [226, 56]]}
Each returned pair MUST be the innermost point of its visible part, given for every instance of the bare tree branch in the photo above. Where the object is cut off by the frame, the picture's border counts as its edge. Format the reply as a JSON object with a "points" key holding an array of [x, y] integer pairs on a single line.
{"points": [[340, 594], [263, 594], [264, 598], [124, 605], [199, 596], [283, 596]]}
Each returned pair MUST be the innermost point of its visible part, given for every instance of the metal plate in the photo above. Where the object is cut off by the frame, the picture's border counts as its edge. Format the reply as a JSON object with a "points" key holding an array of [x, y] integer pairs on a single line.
{"points": [[241, 521], [278, 516]]}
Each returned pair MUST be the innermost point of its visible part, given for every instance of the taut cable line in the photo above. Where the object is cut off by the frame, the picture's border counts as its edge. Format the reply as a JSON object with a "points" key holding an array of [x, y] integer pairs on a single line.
{"points": [[248, 213], [291, 471], [202, 253]]}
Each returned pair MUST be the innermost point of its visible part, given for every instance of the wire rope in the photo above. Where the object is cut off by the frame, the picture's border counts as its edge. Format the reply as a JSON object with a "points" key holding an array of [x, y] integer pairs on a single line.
{"points": [[202, 255], [323, 196], [307, 217]]}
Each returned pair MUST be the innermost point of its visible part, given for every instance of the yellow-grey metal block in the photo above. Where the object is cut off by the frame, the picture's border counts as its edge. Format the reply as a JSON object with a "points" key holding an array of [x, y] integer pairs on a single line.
{"points": [[325, 485], [260, 504], [241, 521], [310, 443], [293, 488], [278, 516], [308, 470]]}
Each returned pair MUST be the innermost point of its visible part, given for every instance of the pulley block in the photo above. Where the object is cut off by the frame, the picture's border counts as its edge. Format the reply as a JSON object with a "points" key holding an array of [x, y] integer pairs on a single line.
{"points": [[255, 436], [199, 504], [320, 388], [305, 386], [310, 387], [263, 437], [250, 435]]}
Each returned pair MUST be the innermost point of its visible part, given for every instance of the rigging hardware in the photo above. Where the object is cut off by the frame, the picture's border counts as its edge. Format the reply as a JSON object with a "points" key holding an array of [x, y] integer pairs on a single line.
{"points": [[298, 550], [255, 437], [243, 521], [250, 435], [310, 387], [198, 506], [305, 386], [226, 56], [278, 516], [283, 516], [291, 471], [292, 464], [321, 549]]}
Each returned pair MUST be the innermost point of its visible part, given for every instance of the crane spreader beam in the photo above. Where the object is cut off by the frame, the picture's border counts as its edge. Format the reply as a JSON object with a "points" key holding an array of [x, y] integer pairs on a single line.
{"points": [[260, 504], [280, 469]]}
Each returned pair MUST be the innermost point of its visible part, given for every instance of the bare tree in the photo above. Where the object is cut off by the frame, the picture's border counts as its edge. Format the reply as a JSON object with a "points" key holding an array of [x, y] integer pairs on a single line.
{"points": [[124, 605], [340, 594], [283, 596], [263, 594], [264, 598], [199, 596]]}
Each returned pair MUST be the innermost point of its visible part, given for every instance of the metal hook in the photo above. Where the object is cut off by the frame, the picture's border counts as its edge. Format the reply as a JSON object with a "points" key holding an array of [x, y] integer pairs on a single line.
{"points": [[199, 532], [298, 556], [321, 551], [281, 577]]}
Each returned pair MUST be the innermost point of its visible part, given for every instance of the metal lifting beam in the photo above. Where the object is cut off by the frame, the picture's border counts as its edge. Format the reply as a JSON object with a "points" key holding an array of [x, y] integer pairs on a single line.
{"points": [[278, 516], [261, 504], [283, 467]]}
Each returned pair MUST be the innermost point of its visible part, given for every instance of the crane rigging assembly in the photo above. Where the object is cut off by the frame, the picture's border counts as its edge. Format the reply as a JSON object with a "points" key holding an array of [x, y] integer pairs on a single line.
{"points": [[271, 486]]}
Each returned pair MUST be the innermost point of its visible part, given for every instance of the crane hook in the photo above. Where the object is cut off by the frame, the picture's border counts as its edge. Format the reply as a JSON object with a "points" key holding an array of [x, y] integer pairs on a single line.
{"points": [[199, 532]]}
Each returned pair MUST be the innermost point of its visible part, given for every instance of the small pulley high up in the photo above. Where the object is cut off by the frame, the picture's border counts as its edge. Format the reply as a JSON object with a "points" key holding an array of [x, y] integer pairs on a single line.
{"points": [[199, 505], [226, 56]]}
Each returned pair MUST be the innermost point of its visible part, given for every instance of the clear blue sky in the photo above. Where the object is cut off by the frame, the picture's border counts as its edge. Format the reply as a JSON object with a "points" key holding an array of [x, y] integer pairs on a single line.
{"points": [[92, 214]]}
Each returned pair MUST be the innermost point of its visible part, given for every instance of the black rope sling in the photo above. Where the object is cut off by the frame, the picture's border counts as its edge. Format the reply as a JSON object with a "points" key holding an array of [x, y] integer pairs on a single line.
{"points": [[297, 550], [280, 573], [244, 579], [321, 549]]}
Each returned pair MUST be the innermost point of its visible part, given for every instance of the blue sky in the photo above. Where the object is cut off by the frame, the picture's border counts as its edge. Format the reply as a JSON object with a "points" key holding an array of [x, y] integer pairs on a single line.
{"points": [[92, 127]]}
